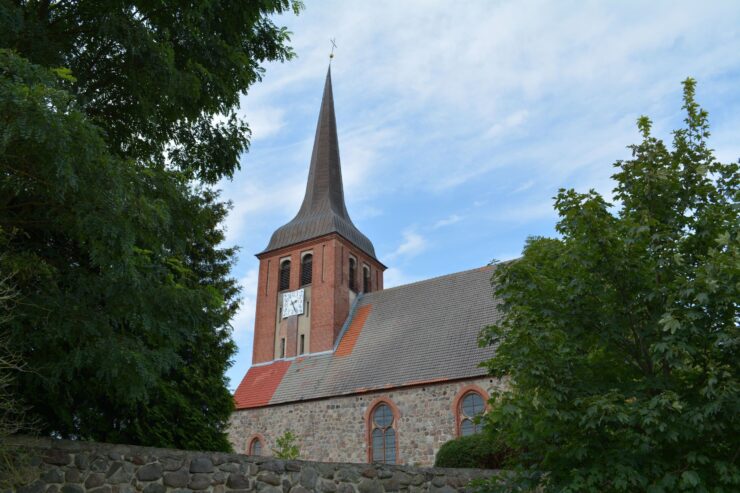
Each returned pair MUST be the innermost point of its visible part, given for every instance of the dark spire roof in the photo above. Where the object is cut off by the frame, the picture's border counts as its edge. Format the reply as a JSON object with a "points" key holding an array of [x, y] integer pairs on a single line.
{"points": [[323, 210]]}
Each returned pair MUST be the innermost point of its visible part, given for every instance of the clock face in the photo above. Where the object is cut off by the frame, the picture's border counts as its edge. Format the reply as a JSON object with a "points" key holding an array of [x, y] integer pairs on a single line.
{"points": [[292, 303]]}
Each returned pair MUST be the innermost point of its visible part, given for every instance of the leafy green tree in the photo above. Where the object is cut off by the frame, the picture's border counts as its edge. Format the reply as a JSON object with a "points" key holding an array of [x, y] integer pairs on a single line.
{"points": [[620, 337], [286, 447], [116, 120]]}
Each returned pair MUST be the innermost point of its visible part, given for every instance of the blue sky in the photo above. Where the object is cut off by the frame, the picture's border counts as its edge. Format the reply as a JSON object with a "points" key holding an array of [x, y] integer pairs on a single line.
{"points": [[458, 122]]}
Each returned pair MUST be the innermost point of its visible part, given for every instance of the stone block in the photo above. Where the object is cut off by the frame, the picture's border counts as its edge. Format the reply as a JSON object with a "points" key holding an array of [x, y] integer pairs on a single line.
{"points": [[149, 472], [370, 486], [326, 486], [102, 489], [72, 488], [82, 460], [347, 474], [238, 481], [57, 457], [269, 477], [176, 479], [100, 464], [73, 476], [201, 464], [171, 463], [155, 488], [346, 488], [53, 475], [199, 481], [119, 473], [273, 465], [94, 479], [229, 467], [308, 477]]}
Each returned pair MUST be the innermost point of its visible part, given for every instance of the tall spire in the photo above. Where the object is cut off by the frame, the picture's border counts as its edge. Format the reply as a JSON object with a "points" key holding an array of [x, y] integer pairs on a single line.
{"points": [[323, 210]]}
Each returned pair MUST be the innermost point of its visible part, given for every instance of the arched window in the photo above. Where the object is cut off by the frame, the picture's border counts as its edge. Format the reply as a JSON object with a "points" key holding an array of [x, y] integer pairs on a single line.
{"points": [[352, 274], [383, 434], [255, 447], [306, 269], [365, 279], [284, 275], [471, 405]]}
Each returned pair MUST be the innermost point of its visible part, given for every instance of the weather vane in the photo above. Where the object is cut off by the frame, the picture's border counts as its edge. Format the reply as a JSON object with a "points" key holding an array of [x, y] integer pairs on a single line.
{"points": [[333, 45]]}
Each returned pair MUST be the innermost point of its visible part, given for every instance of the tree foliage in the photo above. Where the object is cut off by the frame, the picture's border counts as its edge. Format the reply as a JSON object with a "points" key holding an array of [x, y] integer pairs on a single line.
{"points": [[116, 118], [620, 337], [286, 448]]}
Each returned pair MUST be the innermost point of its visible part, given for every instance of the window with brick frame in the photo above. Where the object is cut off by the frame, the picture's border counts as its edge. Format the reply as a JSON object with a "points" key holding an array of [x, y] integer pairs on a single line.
{"points": [[352, 274], [284, 278], [255, 447], [383, 435], [472, 405], [306, 269]]}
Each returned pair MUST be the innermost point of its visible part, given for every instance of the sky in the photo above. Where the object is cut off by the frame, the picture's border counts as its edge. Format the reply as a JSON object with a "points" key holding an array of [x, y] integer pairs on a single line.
{"points": [[459, 121]]}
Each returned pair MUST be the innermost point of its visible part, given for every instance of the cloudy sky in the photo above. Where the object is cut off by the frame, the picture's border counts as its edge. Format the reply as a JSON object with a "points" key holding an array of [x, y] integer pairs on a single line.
{"points": [[459, 121]]}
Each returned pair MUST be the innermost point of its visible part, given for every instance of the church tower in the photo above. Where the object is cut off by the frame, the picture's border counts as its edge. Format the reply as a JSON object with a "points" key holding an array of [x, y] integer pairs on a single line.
{"points": [[316, 265]]}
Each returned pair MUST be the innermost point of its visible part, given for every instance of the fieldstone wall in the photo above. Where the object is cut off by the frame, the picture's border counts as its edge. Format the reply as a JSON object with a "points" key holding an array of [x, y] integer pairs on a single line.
{"points": [[60, 466], [335, 429]]}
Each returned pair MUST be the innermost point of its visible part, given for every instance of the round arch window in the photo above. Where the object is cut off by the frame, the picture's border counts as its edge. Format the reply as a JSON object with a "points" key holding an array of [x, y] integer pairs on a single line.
{"points": [[383, 435], [471, 406], [255, 448]]}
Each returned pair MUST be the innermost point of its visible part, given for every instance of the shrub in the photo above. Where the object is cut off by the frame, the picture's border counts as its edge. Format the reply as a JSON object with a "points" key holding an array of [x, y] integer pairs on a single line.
{"points": [[286, 447], [473, 451]]}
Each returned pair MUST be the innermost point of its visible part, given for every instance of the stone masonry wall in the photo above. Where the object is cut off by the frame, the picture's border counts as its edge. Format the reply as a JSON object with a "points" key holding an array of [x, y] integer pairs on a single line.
{"points": [[60, 466], [336, 429]]}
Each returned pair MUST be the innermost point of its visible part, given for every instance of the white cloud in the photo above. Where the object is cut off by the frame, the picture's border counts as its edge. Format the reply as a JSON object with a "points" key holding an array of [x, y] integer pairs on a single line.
{"points": [[243, 321], [508, 124], [413, 244], [447, 221], [264, 121], [394, 276]]}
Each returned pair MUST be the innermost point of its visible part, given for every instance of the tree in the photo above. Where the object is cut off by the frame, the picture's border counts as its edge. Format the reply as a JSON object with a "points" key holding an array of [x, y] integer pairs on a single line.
{"points": [[620, 337], [116, 120], [286, 447]]}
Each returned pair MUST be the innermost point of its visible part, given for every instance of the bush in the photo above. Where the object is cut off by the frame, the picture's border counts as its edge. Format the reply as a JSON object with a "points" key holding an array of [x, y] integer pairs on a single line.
{"points": [[286, 447], [473, 451]]}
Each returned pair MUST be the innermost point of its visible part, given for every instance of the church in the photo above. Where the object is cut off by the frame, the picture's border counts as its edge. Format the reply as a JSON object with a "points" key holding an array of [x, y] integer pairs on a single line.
{"points": [[356, 372]]}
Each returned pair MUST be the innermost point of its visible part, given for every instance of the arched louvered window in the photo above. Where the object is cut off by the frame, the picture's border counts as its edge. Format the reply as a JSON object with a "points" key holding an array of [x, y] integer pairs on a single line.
{"points": [[365, 279], [306, 269], [383, 434], [284, 275], [255, 447], [352, 274], [471, 405]]}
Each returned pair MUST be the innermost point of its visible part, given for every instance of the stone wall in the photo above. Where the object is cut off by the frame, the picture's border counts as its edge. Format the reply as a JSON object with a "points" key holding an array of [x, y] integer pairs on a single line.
{"points": [[59, 466], [336, 429]]}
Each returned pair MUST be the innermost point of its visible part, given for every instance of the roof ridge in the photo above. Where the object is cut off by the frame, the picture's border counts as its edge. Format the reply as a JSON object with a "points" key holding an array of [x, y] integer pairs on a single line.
{"points": [[484, 267]]}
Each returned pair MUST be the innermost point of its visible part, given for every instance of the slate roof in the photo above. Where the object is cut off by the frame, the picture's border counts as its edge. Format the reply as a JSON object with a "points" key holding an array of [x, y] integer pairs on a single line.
{"points": [[418, 333], [323, 210]]}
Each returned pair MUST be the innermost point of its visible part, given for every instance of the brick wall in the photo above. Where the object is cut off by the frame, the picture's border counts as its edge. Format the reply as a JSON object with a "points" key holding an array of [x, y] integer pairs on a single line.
{"points": [[330, 297], [335, 429]]}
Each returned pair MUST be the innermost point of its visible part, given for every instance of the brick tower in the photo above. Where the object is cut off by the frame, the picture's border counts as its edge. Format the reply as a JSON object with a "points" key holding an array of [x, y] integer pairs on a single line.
{"points": [[314, 266]]}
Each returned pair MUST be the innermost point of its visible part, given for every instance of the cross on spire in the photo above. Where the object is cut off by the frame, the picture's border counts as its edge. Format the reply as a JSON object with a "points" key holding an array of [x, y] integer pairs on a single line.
{"points": [[333, 45]]}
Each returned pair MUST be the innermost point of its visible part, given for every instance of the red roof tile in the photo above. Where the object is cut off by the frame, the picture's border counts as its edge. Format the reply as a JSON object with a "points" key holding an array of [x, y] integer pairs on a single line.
{"points": [[353, 332], [259, 384]]}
